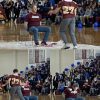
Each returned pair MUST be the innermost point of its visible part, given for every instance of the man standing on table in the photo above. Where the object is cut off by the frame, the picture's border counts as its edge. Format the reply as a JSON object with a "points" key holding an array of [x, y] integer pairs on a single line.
{"points": [[68, 8]]}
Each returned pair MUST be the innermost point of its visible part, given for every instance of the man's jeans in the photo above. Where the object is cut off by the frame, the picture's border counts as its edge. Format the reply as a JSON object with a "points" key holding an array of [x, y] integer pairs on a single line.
{"points": [[68, 25], [14, 90], [35, 31], [31, 97], [81, 98]]}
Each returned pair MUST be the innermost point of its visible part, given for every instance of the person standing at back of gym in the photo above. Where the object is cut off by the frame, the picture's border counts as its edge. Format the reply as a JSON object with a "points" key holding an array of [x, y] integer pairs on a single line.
{"points": [[14, 81]]}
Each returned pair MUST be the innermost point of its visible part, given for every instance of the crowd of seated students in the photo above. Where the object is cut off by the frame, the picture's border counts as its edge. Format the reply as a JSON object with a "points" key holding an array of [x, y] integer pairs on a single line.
{"points": [[3, 86], [86, 76], [39, 78], [88, 11]]}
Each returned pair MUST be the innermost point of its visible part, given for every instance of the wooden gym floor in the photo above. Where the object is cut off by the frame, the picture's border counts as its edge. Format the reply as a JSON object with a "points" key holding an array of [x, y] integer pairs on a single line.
{"points": [[18, 32], [48, 97]]}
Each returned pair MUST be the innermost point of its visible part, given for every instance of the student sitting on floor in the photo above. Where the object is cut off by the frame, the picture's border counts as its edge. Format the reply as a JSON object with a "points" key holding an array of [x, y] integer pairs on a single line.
{"points": [[73, 92], [27, 92]]}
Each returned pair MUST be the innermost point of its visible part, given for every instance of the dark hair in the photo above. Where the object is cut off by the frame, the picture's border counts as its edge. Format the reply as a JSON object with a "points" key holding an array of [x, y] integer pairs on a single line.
{"points": [[15, 70]]}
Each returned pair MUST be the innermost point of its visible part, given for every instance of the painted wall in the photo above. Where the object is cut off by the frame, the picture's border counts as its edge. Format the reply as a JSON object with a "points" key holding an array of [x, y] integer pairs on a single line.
{"points": [[10, 59], [60, 59], [67, 58], [54, 62], [97, 53]]}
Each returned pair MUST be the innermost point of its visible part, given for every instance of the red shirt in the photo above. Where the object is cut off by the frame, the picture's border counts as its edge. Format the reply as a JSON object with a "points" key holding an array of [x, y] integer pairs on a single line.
{"points": [[2, 13], [33, 19], [26, 91], [68, 8], [69, 93], [14, 80]]}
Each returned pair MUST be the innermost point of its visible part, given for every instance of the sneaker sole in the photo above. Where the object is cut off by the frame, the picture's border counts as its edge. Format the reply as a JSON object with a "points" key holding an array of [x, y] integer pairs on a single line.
{"points": [[67, 48]]}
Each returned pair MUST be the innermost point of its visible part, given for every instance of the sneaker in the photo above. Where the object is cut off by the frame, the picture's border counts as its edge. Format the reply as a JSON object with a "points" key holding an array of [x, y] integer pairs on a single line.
{"points": [[43, 43], [75, 47], [99, 95], [37, 43], [66, 46]]}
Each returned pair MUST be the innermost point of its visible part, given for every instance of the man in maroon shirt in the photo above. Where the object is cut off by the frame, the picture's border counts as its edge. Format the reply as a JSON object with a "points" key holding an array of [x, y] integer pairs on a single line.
{"points": [[34, 26], [14, 81], [72, 92], [68, 8], [27, 91], [2, 13]]}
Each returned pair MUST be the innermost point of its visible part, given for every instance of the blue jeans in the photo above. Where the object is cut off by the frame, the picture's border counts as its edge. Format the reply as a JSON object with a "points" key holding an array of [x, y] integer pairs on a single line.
{"points": [[14, 90], [70, 99], [36, 29], [31, 97], [80, 98], [68, 23]]}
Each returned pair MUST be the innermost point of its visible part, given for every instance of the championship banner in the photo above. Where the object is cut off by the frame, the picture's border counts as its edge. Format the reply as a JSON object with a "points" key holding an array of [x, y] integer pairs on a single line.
{"points": [[2, 14], [84, 54], [36, 56]]}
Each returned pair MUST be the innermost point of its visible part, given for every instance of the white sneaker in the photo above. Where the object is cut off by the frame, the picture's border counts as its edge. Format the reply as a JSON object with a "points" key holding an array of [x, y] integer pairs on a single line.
{"points": [[75, 47], [99, 95]]}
